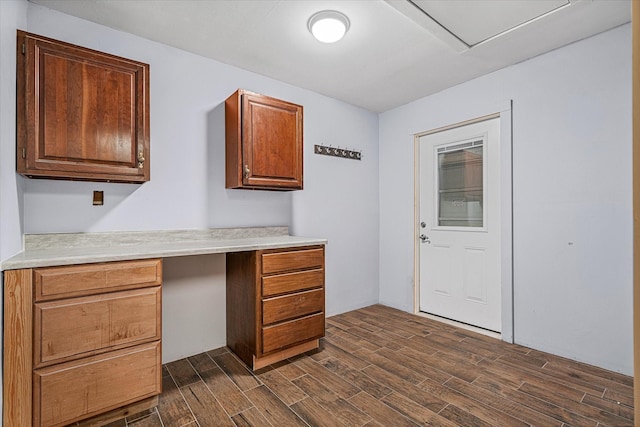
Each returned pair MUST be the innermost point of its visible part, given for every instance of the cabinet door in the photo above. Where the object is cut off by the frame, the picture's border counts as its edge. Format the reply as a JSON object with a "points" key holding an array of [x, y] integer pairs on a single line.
{"points": [[273, 142], [263, 142], [82, 114]]}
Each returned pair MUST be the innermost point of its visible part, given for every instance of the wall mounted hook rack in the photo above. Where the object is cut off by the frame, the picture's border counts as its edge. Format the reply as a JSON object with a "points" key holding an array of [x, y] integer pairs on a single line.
{"points": [[337, 152]]}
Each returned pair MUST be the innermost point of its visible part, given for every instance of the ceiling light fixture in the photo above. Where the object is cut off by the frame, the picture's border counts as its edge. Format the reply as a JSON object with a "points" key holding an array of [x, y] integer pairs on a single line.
{"points": [[328, 26]]}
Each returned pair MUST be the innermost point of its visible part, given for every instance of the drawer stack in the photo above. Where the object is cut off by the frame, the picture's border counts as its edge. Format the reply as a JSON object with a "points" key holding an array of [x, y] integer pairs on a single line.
{"points": [[275, 303], [96, 338]]}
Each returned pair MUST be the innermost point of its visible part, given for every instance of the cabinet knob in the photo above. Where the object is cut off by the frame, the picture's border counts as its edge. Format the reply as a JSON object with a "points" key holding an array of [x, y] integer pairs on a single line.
{"points": [[140, 160], [247, 171]]}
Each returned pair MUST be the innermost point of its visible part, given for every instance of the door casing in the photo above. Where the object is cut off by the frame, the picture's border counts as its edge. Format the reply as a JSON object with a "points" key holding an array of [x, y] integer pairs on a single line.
{"points": [[506, 213]]}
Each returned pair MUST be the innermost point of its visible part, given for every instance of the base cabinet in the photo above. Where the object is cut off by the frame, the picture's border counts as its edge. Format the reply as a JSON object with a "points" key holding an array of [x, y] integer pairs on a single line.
{"points": [[81, 341], [275, 303]]}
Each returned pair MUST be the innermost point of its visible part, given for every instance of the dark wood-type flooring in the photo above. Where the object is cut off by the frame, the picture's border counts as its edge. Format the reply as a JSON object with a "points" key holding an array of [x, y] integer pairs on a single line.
{"points": [[380, 366]]}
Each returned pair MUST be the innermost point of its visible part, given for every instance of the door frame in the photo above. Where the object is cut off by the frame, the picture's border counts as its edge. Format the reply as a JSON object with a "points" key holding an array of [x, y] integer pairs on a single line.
{"points": [[506, 214], [635, 43]]}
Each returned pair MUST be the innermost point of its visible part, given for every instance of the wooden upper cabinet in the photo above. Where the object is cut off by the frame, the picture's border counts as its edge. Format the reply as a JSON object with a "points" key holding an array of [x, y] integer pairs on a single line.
{"points": [[81, 114], [263, 142]]}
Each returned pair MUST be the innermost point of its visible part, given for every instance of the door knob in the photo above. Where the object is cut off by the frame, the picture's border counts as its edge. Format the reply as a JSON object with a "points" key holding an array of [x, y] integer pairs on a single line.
{"points": [[424, 239]]}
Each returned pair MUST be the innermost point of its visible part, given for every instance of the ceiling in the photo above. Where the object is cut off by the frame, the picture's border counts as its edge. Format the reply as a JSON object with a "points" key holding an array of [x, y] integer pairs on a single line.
{"points": [[395, 51]]}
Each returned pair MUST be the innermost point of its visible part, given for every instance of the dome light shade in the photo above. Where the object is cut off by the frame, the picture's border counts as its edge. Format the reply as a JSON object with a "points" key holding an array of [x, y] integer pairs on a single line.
{"points": [[328, 26]]}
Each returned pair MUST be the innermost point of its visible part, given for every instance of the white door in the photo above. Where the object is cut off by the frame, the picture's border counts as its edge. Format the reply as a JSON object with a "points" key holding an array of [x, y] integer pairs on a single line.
{"points": [[460, 224]]}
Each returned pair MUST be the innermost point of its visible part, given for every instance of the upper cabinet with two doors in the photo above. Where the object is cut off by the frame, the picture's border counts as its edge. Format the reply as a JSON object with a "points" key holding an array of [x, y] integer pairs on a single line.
{"points": [[81, 114]]}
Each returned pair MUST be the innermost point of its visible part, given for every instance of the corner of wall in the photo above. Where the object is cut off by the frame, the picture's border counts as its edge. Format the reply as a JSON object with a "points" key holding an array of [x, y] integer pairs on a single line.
{"points": [[13, 15]]}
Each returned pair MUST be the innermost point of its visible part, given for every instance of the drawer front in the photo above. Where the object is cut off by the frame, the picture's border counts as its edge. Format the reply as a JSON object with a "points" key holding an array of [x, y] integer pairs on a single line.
{"points": [[61, 282], [83, 388], [80, 326], [292, 282], [286, 334], [276, 262], [291, 306]]}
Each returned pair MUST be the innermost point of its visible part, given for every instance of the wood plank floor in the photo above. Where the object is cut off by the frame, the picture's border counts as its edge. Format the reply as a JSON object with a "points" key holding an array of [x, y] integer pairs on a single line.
{"points": [[380, 366]]}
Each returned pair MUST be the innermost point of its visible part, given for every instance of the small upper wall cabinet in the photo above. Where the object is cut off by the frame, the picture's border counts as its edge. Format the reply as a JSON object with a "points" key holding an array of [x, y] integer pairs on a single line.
{"points": [[81, 114], [263, 142]]}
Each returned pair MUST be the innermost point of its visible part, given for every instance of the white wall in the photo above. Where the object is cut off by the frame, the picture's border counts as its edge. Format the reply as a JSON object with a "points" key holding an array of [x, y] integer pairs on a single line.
{"points": [[13, 15], [186, 191], [572, 184], [572, 194]]}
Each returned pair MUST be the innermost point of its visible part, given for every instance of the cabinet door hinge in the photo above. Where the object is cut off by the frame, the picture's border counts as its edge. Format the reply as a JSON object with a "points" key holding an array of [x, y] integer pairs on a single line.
{"points": [[24, 48]]}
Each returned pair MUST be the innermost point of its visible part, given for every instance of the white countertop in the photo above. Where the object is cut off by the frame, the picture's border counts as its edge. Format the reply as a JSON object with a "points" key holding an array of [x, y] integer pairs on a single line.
{"points": [[45, 250]]}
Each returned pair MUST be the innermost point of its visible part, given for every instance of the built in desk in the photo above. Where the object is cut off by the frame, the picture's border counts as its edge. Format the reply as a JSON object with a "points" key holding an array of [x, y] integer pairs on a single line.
{"points": [[82, 314]]}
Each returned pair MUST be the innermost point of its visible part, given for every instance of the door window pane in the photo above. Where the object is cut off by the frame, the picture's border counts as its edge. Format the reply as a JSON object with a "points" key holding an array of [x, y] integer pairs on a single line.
{"points": [[460, 186]]}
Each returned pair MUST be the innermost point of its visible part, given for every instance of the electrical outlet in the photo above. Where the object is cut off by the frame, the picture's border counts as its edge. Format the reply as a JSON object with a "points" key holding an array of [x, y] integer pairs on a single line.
{"points": [[98, 198]]}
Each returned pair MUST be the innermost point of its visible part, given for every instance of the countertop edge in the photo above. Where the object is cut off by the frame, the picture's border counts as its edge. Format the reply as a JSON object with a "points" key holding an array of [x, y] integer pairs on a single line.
{"points": [[80, 255]]}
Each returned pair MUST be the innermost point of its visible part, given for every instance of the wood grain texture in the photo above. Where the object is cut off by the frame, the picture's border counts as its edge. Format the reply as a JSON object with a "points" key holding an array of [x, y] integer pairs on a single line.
{"points": [[339, 406], [282, 387], [86, 113], [252, 417], [291, 306], [292, 282], [314, 414], [172, 408], [100, 383], [233, 140], [205, 407], [273, 141], [284, 354], [182, 372], [243, 322], [118, 417], [264, 142], [78, 327], [282, 335], [226, 391], [18, 347], [261, 329], [353, 380], [88, 279], [281, 261], [235, 370], [272, 408], [69, 359]]}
